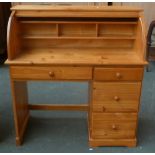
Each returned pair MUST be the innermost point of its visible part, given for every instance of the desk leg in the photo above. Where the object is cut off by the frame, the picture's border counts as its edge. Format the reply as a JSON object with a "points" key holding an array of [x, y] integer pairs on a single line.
{"points": [[20, 108]]}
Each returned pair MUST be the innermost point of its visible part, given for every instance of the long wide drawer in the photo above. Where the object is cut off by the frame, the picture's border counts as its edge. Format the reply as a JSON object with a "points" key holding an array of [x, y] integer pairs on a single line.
{"points": [[114, 125], [118, 74], [51, 73], [116, 96]]}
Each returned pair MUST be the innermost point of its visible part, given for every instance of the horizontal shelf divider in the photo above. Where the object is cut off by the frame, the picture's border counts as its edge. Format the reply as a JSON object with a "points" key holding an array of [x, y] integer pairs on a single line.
{"points": [[76, 107], [75, 22], [99, 37]]}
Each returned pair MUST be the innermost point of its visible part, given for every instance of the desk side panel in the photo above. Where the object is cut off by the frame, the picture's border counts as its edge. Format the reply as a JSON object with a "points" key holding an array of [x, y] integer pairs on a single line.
{"points": [[13, 40]]}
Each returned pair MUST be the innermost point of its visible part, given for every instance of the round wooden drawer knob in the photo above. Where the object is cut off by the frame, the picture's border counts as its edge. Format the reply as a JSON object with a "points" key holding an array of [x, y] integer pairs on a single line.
{"points": [[51, 74], [116, 98], [114, 127], [118, 75]]}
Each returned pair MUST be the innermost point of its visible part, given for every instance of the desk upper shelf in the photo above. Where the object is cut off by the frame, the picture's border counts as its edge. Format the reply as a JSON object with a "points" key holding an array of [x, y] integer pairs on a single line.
{"points": [[69, 35]]}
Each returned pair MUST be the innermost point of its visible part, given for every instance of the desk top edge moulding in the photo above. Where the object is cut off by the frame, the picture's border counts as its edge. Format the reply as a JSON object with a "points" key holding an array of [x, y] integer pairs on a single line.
{"points": [[104, 45]]}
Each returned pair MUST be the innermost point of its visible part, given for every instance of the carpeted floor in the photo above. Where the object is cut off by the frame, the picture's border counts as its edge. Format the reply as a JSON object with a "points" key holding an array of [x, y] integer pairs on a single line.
{"points": [[67, 131]]}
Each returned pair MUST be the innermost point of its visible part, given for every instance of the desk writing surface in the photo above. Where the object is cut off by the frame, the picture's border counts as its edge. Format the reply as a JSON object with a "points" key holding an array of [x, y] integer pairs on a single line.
{"points": [[77, 57]]}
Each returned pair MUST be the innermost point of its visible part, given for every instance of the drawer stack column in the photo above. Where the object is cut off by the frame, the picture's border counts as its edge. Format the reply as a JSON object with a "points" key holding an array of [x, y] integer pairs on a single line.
{"points": [[115, 105]]}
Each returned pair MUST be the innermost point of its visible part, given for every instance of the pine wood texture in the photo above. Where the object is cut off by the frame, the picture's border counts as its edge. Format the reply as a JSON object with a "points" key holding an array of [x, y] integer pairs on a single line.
{"points": [[76, 8], [13, 44], [101, 45], [75, 11], [72, 107], [76, 56], [112, 142], [118, 74], [113, 125], [20, 108], [116, 96], [51, 73]]}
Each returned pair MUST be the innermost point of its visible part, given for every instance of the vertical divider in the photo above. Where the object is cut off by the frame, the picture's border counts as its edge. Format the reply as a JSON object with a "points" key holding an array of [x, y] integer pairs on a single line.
{"points": [[136, 40], [97, 33], [57, 30]]}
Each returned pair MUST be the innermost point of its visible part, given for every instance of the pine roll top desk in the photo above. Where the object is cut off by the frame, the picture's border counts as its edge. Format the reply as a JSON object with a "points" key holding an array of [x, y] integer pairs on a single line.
{"points": [[104, 46]]}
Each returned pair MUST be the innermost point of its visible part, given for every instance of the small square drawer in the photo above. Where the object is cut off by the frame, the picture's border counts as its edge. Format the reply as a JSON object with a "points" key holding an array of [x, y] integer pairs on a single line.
{"points": [[51, 73], [118, 74], [114, 125], [116, 96]]}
